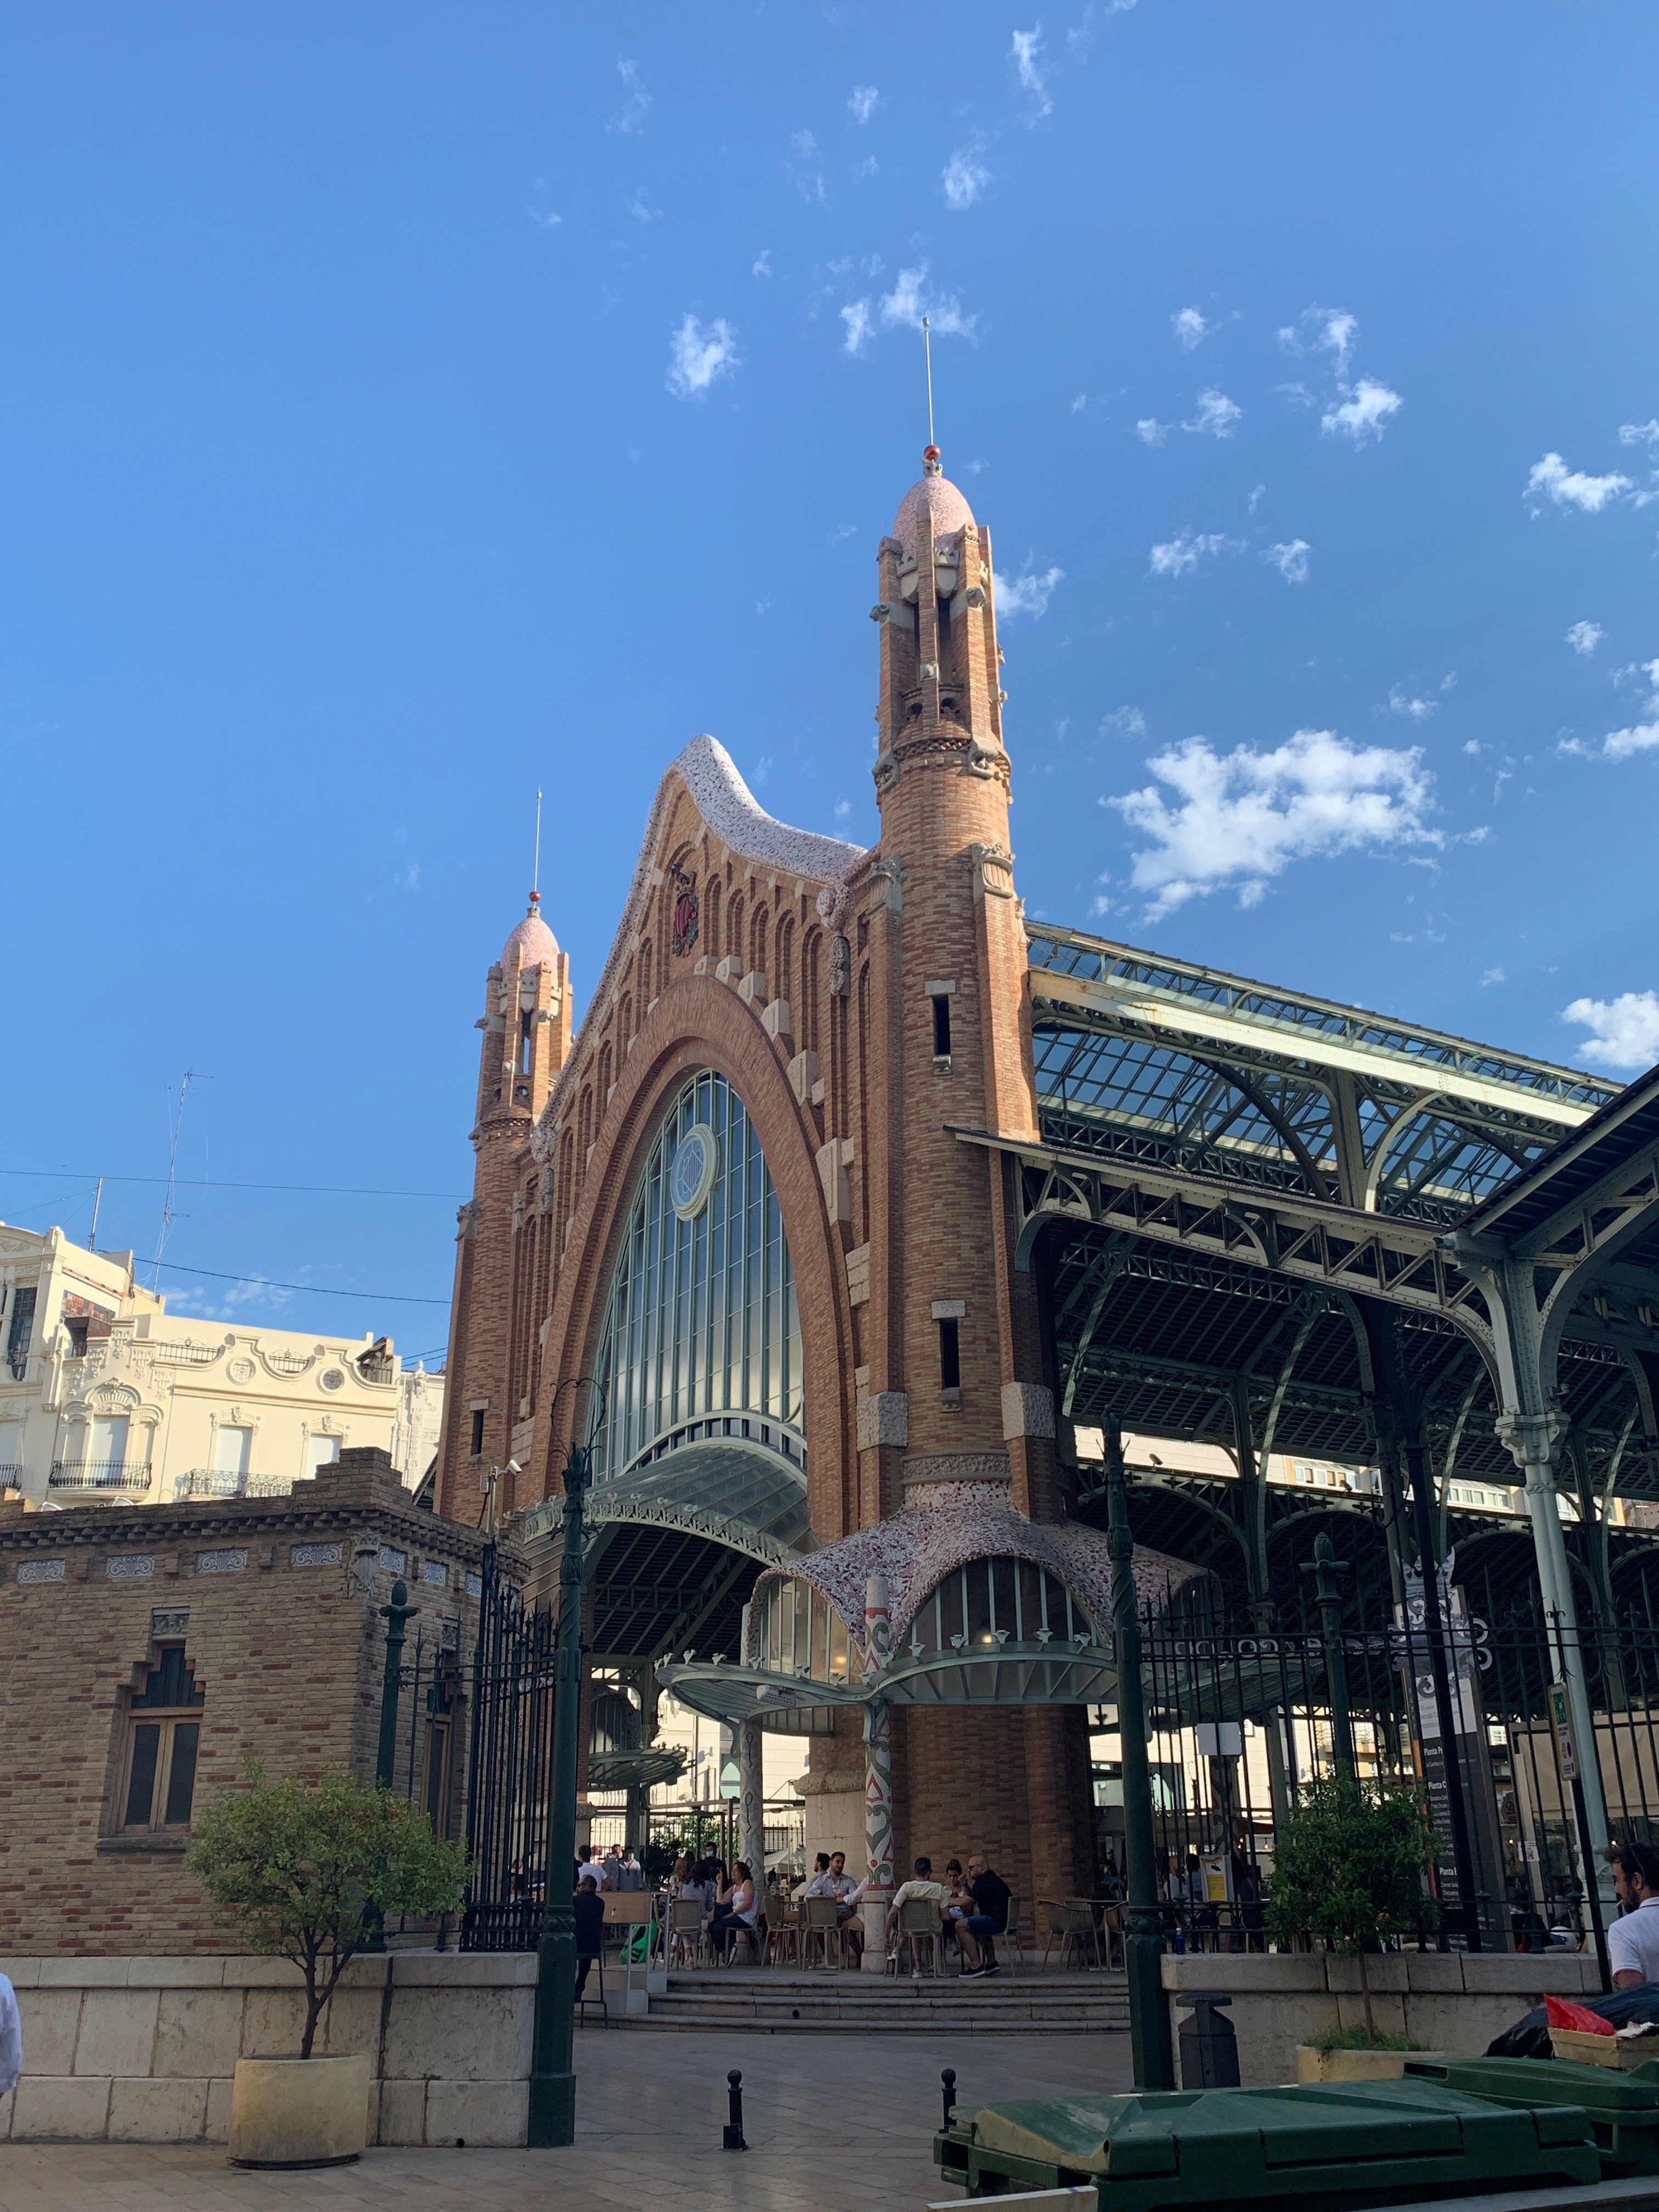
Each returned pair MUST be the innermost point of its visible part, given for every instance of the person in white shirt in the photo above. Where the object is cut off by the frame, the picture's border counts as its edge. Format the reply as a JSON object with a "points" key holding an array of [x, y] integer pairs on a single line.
{"points": [[586, 1863], [11, 2037], [921, 1884], [1633, 1938], [836, 1881], [813, 1885]]}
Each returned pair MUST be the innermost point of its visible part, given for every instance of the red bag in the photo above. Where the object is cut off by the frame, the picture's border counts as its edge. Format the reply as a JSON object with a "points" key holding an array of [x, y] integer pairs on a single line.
{"points": [[1560, 2014]]}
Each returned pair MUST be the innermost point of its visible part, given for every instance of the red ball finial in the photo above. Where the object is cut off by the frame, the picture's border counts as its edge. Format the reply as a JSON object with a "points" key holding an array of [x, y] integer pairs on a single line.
{"points": [[930, 453]]}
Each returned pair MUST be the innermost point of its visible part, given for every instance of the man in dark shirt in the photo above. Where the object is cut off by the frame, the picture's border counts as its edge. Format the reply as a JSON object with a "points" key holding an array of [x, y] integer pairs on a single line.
{"points": [[588, 1910], [989, 1917]]}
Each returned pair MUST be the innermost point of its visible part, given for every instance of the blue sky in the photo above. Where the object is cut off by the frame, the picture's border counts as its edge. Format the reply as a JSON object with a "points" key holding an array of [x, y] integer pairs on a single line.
{"points": [[401, 407]]}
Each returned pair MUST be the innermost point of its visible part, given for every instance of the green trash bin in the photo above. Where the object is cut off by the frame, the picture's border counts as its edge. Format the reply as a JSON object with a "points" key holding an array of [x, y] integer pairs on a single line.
{"points": [[1623, 2108], [1348, 2143]]}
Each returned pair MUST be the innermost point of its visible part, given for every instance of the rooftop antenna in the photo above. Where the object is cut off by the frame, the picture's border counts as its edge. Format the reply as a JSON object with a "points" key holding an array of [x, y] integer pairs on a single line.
{"points": [[190, 1075], [536, 865], [927, 355], [97, 1200]]}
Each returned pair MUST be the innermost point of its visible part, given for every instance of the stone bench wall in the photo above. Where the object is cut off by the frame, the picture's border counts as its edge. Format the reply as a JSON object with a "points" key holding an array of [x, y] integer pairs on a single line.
{"points": [[1447, 2001], [143, 2049]]}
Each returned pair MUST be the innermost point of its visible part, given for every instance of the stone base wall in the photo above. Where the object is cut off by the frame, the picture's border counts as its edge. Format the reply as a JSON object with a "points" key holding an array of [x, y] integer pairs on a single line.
{"points": [[1447, 2001], [143, 2049]]}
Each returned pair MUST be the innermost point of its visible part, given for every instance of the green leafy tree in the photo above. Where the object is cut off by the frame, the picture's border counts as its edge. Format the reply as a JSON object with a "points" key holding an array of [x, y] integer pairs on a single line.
{"points": [[309, 1871], [1349, 1868]]}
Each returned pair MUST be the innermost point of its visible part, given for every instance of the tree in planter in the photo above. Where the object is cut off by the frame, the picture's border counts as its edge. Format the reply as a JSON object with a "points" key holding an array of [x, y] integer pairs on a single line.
{"points": [[1349, 1863], [309, 1870]]}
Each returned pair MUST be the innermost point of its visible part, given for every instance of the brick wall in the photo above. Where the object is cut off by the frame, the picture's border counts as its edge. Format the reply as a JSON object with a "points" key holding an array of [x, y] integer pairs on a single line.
{"points": [[275, 1602]]}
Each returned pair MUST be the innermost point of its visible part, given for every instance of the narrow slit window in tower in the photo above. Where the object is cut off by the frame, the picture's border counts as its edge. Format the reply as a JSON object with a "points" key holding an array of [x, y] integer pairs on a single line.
{"points": [[942, 1026], [949, 1350]]}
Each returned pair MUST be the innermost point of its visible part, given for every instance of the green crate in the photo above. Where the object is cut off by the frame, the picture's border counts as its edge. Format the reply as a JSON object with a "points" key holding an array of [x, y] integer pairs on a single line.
{"points": [[1623, 2108], [1348, 2143]]}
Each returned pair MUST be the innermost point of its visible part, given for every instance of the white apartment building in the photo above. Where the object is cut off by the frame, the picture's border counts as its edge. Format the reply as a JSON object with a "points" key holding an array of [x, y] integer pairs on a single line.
{"points": [[103, 1391]]}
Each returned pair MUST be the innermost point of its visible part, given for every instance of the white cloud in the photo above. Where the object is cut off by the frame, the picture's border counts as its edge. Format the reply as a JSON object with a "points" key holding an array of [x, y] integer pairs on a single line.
{"points": [[843, 808], [637, 106], [1190, 327], [1124, 722], [1255, 497], [861, 102], [964, 179], [762, 263], [1151, 432], [1217, 415], [1401, 701], [1624, 1031], [641, 208], [1081, 35], [1625, 744], [545, 217], [1639, 737], [1552, 478], [1584, 637], [1291, 560], [910, 300], [1640, 433], [1240, 819], [1028, 593], [1362, 414], [1180, 554], [1474, 747], [698, 355], [1492, 976], [1322, 329], [857, 319], [1028, 57]]}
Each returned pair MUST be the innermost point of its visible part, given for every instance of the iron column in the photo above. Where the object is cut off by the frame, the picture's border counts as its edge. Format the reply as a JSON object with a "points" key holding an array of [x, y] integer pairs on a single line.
{"points": [[1325, 1567], [1143, 1943], [1417, 1466], [552, 2072]]}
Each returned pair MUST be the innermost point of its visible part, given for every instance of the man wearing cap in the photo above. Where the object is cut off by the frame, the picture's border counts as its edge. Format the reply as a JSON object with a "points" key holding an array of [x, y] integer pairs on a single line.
{"points": [[1633, 1939]]}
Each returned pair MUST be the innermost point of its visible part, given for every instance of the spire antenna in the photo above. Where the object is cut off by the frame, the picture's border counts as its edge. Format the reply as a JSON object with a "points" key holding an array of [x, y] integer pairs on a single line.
{"points": [[927, 355], [536, 866]]}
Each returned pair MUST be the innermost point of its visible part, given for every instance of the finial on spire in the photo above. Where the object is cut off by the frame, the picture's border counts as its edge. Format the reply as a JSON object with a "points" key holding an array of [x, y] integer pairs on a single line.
{"points": [[536, 865], [927, 355]]}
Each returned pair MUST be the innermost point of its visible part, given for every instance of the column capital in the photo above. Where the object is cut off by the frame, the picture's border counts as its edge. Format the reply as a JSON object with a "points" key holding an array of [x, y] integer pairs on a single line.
{"points": [[1530, 1438]]}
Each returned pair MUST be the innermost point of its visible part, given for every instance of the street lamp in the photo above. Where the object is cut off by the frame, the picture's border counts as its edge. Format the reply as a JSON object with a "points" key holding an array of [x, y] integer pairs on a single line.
{"points": [[1143, 1938], [552, 2069]]}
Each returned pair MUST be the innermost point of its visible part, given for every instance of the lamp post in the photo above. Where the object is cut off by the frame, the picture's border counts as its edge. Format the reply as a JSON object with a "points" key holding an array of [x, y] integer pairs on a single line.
{"points": [[552, 2072], [396, 1616], [1143, 1941]]}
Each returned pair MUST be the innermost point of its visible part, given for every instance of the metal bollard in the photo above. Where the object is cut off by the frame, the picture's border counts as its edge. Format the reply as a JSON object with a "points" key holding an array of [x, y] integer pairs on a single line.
{"points": [[949, 2079], [1209, 2046], [733, 2138]]}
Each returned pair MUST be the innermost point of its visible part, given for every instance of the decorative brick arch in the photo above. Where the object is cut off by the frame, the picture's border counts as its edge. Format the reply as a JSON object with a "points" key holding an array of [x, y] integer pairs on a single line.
{"points": [[699, 1023]]}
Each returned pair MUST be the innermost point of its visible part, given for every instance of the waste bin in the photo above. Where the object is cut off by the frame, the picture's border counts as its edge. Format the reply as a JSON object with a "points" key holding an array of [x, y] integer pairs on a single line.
{"points": [[1209, 2046], [1349, 2144], [1623, 2108]]}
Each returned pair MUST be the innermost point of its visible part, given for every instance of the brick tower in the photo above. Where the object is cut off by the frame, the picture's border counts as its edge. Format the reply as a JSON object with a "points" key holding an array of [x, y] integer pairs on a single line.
{"points": [[526, 1039], [952, 1408]]}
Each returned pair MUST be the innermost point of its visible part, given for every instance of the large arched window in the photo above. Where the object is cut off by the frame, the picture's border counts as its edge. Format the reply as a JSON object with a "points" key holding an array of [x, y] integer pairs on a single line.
{"points": [[701, 1336]]}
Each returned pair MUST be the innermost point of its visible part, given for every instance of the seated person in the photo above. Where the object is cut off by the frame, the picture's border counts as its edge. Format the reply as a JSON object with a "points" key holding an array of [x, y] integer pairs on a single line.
{"points": [[921, 1884], [848, 1895], [813, 1885], [958, 1908], [992, 1899], [738, 1908], [588, 1910]]}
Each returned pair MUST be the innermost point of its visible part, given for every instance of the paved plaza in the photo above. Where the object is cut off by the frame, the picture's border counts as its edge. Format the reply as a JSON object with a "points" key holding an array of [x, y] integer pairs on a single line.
{"points": [[834, 2124]]}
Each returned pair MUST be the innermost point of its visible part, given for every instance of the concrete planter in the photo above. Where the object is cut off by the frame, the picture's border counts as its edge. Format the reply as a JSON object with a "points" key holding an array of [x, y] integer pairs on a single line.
{"points": [[1313, 2065], [298, 2112]]}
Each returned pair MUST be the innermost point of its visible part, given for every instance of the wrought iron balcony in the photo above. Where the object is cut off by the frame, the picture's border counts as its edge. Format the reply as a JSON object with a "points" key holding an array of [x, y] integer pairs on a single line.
{"points": [[220, 1482], [11, 1475], [98, 1474]]}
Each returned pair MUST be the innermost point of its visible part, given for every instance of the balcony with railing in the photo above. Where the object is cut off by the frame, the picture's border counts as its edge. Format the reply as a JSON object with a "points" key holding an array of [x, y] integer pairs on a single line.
{"points": [[98, 1474], [11, 1475], [221, 1482]]}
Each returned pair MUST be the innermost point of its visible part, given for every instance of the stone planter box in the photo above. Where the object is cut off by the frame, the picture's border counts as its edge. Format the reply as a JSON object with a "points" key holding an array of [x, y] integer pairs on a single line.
{"points": [[1447, 2001], [145, 2050], [1313, 2065], [298, 2112]]}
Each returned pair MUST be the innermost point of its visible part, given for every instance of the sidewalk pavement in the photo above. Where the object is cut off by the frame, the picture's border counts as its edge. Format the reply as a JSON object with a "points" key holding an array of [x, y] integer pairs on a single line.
{"points": [[834, 2124]]}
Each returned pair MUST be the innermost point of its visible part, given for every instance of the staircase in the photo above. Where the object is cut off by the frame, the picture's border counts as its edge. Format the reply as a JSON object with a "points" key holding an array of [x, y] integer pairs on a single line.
{"points": [[777, 2002]]}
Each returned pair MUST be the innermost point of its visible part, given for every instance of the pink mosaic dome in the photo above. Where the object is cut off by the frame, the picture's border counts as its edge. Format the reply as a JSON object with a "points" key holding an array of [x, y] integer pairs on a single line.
{"points": [[943, 503], [532, 944]]}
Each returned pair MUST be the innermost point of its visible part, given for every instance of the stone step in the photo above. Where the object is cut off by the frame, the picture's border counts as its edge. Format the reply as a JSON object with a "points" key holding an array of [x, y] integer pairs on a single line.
{"points": [[878, 2024], [781, 2003]]}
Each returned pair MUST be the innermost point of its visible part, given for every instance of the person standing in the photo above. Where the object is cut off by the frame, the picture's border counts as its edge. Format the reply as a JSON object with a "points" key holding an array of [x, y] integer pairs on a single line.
{"points": [[1633, 1938], [587, 1910], [630, 1874]]}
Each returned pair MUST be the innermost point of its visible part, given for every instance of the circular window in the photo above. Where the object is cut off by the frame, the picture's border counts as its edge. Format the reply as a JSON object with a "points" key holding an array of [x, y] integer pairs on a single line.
{"points": [[333, 1379], [696, 1161]]}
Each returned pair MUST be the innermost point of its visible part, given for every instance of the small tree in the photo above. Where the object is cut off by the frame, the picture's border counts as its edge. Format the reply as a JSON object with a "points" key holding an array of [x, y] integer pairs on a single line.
{"points": [[311, 1869], [1349, 1864]]}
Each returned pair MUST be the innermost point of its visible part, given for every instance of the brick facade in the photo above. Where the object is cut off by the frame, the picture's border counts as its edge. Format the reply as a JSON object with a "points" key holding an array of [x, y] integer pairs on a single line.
{"points": [[275, 1604], [815, 984]]}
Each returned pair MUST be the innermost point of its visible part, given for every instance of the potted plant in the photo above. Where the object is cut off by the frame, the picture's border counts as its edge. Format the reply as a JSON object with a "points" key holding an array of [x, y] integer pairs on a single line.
{"points": [[309, 1871], [1350, 1863]]}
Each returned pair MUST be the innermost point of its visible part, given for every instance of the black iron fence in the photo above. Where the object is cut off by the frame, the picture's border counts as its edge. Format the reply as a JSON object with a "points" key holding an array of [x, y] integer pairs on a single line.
{"points": [[508, 1758]]}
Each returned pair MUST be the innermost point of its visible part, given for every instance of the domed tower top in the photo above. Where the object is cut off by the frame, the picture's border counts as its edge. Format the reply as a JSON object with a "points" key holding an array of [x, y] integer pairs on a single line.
{"points": [[531, 944], [946, 507]]}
